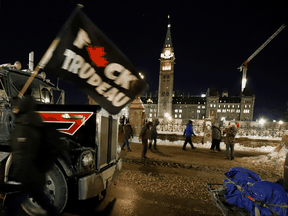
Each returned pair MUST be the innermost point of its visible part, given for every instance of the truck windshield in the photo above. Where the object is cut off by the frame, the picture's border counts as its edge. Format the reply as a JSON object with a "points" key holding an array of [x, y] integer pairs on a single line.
{"points": [[41, 91]]}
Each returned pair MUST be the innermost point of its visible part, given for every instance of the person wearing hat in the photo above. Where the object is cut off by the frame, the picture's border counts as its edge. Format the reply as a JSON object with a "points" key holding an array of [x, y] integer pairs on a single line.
{"points": [[230, 140], [144, 136], [188, 133]]}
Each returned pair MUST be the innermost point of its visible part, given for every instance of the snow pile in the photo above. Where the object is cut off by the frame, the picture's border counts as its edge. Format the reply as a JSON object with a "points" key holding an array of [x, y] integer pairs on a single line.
{"points": [[275, 159]]}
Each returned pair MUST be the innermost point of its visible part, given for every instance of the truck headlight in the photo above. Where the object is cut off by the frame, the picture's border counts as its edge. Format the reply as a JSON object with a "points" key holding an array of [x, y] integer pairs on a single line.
{"points": [[87, 159], [118, 151]]}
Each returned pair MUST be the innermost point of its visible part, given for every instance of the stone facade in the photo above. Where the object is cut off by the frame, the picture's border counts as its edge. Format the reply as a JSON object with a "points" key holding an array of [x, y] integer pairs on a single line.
{"points": [[136, 116], [196, 107]]}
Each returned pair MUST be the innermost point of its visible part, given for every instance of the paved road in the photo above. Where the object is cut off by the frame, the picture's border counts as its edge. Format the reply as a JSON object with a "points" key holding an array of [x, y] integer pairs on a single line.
{"points": [[171, 182]]}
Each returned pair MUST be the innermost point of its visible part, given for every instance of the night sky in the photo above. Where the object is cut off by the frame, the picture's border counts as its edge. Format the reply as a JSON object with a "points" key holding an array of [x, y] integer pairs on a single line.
{"points": [[211, 39]]}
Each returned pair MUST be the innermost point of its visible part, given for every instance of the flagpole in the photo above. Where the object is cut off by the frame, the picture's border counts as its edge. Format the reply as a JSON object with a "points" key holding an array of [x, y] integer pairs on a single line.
{"points": [[48, 54]]}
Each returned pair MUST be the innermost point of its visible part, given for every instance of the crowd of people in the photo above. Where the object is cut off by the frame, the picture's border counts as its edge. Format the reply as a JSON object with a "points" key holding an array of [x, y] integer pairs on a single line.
{"points": [[148, 136]]}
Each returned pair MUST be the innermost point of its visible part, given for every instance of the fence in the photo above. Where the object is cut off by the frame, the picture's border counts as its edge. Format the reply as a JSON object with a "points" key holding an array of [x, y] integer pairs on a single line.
{"points": [[254, 130]]}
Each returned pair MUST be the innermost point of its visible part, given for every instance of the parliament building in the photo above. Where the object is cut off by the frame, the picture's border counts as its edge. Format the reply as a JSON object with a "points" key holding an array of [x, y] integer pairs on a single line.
{"points": [[166, 102]]}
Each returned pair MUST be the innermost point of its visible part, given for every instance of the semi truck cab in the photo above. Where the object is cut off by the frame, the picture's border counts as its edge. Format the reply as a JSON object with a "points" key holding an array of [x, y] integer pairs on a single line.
{"points": [[93, 161]]}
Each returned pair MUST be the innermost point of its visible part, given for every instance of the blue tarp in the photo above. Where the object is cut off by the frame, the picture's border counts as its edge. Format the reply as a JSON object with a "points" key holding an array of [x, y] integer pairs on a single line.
{"points": [[244, 182]]}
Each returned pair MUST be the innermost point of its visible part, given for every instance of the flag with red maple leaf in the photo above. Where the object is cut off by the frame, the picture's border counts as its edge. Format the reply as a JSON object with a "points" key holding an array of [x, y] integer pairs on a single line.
{"points": [[96, 55], [82, 55]]}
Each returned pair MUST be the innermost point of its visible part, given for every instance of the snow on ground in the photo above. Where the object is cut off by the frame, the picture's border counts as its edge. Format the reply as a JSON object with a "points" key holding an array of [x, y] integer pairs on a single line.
{"points": [[208, 145], [237, 136], [276, 158]]}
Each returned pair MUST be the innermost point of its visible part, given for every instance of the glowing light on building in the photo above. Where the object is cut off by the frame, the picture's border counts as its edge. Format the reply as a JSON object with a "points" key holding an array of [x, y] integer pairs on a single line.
{"points": [[262, 121]]}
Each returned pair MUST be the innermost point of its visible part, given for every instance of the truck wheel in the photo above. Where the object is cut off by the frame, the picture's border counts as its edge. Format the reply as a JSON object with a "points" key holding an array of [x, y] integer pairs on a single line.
{"points": [[57, 190]]}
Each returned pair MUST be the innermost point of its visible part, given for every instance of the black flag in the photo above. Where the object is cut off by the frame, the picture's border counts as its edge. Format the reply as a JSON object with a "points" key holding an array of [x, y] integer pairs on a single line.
{"points": [[82, 55]]}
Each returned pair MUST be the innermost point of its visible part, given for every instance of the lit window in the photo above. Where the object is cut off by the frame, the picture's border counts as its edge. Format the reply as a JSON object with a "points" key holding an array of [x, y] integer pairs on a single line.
{"points": [[249, 106], [198, 111], [179, 115], [218, 110], [198, 107], [176, 110], [150, 115], [180, 110], [228, 110], [193, 111], [198, 102], [214, 105], [220, 101], [228, 106], [224, 106], [246, 110], [166, 66], [155, 115], [245, 106], [211, 105], [224, 110], [238, 111], [219, 106], [232, 106], [175, 115], [151, 110], [232, 110], [155, 110], [238, 106], [203, 107]]}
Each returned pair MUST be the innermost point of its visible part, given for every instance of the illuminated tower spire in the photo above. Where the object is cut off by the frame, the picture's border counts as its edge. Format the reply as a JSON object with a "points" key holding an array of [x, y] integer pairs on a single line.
{"points": [[166, 76], [168, 40]]}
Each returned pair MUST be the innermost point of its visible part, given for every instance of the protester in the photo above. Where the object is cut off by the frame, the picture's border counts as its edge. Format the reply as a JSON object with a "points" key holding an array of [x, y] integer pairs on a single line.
{"points": [[25, 143], [230, 140], [188, 133], [144, 136], [216, 137], [122, 122], [128, 132], [218, 144], [154, 134]]}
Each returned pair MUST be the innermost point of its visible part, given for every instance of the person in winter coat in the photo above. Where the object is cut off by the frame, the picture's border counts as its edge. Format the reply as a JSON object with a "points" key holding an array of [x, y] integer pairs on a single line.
{"points": [[144, 136], [26, 139], [154, 134], [230, 140], [188, 133], [216, 137], [128, 132]]}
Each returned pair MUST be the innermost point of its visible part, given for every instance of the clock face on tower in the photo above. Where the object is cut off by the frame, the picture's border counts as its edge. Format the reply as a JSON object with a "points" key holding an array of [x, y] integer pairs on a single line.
{"points": [[167, 53]]}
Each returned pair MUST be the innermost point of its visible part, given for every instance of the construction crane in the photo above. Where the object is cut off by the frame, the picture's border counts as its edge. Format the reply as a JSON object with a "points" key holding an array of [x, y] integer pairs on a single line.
{"points": [[243, 67]]}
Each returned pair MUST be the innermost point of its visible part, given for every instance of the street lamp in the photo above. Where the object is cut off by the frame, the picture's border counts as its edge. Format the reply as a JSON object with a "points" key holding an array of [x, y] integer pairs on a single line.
{"points": [[262, 121], [168, 116], [280, 122], [141, 75]]}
